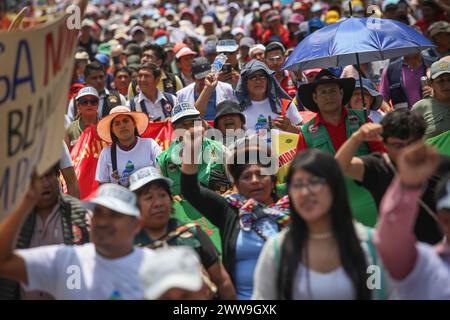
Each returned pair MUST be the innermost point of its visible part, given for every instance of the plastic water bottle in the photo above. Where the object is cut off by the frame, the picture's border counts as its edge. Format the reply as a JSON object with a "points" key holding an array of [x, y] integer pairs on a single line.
{"points": [[218, 63]]}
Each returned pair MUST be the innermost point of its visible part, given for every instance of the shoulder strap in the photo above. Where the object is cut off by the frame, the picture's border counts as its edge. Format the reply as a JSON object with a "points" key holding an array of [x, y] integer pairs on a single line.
{"points": [[381, 294], [172, 235], [395, 72], [276, 248], [114, 156], [75, 108], [134, 87], [143, 107], [132, 104], [293, 77]]}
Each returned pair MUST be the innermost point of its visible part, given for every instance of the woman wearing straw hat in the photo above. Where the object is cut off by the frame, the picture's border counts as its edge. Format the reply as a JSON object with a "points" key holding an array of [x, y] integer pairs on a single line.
{"points": [[128, 151]]}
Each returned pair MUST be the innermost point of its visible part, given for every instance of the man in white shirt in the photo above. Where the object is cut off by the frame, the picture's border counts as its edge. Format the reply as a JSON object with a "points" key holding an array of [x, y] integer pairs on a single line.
{"points": [[107, 268], [205, 95], [155, 103], [95, 76]]}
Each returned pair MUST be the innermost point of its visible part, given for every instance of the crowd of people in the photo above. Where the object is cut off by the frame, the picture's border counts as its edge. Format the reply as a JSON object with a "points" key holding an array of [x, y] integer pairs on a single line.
{"points": [[217, 66]]}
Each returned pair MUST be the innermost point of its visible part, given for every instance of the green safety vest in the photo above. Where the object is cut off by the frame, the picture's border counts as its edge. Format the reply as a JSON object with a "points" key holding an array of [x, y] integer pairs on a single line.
{"points": [[361, 201], [316, 136]]}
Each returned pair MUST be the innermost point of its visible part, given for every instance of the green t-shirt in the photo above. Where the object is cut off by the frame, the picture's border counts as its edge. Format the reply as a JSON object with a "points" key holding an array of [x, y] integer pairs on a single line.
{"points": [[211, 170], [436, 115]]}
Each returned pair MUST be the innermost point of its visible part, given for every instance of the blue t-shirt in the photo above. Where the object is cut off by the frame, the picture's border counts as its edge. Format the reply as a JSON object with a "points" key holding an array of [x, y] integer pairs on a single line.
{"points": [[248, 247], [210, 113]]}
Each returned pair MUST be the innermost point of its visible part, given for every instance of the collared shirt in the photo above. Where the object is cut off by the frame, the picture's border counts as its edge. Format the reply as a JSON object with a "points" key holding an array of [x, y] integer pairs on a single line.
{"points": [[45, 233], [337, 134], [154, 109]]}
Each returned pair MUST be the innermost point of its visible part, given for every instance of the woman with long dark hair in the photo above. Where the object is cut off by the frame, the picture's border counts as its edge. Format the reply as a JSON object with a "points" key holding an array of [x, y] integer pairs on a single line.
{"points": [[247, 218], [323, 254]]}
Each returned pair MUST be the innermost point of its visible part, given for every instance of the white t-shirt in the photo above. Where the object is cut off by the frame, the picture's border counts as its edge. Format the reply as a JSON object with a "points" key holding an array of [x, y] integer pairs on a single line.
{"points": [[311, 285], [79, 273], [257, 115], [429, 279], [66, 160], [142, 155]]}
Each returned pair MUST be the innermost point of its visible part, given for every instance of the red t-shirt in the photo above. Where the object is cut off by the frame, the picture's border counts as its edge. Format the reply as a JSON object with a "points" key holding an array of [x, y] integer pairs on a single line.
{"points": [[338, 134], [284, 35]]}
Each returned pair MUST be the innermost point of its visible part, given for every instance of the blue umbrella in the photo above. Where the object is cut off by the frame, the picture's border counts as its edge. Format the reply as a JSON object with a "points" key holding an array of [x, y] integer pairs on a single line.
{"points": [[355, 41]]}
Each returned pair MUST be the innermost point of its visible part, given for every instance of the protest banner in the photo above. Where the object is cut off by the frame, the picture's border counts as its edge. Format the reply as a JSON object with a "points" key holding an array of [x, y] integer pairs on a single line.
{"points": [[36, 65]]}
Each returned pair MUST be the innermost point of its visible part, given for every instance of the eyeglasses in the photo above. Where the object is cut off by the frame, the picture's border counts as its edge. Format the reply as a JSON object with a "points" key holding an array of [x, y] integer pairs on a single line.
{"points": [[314, 185], [84, 102], [256, 77]]}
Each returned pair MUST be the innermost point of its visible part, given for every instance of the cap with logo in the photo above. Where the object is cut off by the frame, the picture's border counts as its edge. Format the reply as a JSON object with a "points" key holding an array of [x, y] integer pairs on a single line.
{"points": [[184, 110], [228, 45], [115, 197], [87, 91], [439, 68], [146, 175]]}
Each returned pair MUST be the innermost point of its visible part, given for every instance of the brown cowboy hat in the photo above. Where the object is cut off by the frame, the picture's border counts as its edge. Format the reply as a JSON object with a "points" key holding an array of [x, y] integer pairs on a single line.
{"points": [[305, 91]]}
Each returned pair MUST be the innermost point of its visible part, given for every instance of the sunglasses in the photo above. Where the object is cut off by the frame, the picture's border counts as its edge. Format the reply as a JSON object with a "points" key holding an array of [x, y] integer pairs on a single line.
{"points": [[85, 102]]}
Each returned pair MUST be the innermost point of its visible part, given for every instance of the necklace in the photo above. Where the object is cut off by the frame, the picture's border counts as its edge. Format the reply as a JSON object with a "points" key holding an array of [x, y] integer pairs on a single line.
{"points": [[320, 236]]}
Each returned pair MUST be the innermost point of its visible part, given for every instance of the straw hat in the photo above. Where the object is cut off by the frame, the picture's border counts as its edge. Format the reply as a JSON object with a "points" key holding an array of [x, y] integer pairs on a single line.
{"points": [[104, 126]]}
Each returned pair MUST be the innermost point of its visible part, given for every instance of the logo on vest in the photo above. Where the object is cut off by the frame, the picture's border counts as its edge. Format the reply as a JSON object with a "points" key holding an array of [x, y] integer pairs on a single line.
{"points": [[168, 107], [353, 121], [113, 100], [312, 128], [77, 235]]}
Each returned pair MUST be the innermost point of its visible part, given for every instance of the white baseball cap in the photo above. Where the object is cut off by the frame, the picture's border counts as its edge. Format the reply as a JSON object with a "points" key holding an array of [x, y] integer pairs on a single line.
{"points": [[175, 267], [87, 91], [183, 110], [116, 198], [228, 45], [185, 52], [146, 175]]}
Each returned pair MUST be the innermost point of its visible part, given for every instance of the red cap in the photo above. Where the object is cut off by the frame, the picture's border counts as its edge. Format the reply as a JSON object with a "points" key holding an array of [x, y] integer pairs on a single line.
{"points": [[178, 46], [159, 33]]}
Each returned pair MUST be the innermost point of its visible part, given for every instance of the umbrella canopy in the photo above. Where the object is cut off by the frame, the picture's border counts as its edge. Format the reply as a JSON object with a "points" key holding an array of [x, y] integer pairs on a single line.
{"points": [[369, 39]]}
